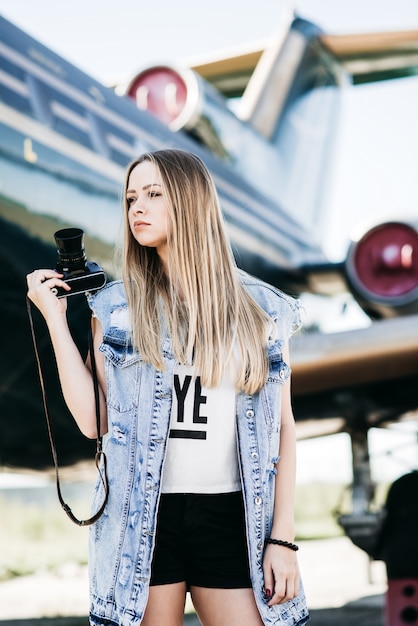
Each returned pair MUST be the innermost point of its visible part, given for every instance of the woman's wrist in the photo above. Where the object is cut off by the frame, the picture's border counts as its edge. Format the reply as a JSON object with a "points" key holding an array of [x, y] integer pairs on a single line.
{"points": [[283, 529], [281, 542]]}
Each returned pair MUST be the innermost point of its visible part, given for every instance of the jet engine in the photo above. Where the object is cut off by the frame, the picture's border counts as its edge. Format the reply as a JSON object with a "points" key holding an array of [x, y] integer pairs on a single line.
{"points": [[382, 270], [183, 101]]}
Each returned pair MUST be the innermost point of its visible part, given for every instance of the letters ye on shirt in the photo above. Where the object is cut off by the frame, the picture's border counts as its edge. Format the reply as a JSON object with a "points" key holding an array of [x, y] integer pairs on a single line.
{"points": [[201, 452], [193, 392]]}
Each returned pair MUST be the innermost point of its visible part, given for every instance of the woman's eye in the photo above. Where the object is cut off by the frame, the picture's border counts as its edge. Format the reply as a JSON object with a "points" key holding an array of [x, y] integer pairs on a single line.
{"points": [[154, 194], [130, 201]]}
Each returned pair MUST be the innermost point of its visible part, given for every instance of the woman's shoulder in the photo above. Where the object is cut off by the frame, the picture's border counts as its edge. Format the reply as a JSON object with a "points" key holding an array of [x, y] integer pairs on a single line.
{"points": [[113, 294], [279, 305], [256, 286]]}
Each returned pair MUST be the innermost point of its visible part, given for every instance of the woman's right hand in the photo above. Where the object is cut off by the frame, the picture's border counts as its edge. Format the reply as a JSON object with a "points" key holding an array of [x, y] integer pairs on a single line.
{"points": [[40, 283]]}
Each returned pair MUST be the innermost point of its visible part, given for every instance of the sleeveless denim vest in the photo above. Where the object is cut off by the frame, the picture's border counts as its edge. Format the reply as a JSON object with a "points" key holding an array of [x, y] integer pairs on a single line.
{"points": [[139, 403]]}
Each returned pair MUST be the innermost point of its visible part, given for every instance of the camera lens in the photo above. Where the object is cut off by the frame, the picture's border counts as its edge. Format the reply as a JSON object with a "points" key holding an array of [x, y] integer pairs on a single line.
{"points": [[70, 248]]}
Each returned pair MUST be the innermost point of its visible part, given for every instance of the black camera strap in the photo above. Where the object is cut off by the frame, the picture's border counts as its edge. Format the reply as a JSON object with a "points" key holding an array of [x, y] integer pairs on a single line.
{"points": [[100, 457]]}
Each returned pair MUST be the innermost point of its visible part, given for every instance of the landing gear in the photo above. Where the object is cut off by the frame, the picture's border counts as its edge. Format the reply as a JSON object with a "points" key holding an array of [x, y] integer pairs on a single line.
{"points": [[389, 535], [363, 524]]}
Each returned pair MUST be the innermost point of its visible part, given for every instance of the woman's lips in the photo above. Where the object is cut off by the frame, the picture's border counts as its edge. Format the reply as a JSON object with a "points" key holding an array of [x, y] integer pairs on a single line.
{"points": [[140, 224]]}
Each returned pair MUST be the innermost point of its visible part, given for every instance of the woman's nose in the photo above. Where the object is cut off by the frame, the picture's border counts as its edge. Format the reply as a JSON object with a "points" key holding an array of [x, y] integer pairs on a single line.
{"points": [[138, 207]]}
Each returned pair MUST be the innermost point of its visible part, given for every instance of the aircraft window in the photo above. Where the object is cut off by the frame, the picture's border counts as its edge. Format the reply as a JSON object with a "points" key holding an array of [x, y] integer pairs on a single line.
{"points": [[72, 132], [64, 113], [121, 159], [120, 144], [116, 132], [66, 102], [112, 144], [122, 152], [13, 90], [97, 135], [39, 100], [69, 118], [11, 69], [15, 100], [73, 121]]}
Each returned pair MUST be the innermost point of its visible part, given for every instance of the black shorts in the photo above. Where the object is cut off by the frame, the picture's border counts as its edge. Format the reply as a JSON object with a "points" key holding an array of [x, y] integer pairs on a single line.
{"points": [[201, 540]]}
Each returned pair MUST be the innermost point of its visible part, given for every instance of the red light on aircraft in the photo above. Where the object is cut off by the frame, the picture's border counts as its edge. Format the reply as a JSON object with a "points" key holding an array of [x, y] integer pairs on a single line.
{"points": [[385, 260], [160, 90]]}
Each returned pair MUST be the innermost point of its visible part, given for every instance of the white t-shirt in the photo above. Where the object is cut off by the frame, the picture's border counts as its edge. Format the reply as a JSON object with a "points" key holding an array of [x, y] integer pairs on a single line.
{"points": [[202, 448]]}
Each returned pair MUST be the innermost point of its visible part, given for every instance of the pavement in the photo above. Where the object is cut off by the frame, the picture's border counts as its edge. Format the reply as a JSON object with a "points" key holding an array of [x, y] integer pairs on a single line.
{"points": [[343, 588]]}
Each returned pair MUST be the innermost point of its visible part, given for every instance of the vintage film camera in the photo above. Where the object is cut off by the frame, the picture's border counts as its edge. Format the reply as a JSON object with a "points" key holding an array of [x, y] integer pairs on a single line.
{"points": [[80, 274]]}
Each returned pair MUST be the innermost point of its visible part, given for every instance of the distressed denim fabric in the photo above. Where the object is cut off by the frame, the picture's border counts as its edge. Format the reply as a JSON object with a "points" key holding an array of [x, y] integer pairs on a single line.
{"points": [[139, 404]]}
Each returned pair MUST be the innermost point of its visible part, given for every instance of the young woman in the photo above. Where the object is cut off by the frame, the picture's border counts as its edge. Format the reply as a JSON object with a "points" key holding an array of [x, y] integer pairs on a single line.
{"points": [[193, 365]]}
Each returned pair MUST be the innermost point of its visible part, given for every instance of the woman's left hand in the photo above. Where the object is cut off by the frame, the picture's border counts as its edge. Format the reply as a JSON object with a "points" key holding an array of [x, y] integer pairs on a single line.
{"points": [[281, 574]]}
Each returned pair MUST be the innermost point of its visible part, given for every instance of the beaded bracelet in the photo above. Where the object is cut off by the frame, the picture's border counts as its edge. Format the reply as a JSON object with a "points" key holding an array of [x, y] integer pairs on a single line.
{"points": [[280, 542]]}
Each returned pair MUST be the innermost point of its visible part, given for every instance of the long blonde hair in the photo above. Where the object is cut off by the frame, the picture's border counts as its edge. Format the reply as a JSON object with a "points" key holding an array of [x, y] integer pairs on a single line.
{"points": [[209, 315]]}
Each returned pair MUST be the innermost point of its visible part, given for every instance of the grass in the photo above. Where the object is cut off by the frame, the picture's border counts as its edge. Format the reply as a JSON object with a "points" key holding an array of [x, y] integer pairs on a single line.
{"points": [[39, 536], [315, 507], [318, 505]]}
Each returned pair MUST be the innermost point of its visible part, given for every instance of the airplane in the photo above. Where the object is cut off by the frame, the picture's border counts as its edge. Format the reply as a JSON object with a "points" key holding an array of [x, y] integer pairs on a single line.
{"points": [[264, 121]]}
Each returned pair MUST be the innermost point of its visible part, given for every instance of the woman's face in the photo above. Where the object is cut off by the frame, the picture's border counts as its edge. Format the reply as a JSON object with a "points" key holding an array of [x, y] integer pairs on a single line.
{"points": [[147, 213]]}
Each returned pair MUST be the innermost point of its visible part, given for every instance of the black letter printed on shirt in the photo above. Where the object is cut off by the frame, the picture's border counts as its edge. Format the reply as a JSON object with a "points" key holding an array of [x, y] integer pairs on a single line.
{"points": [[183, 397]]}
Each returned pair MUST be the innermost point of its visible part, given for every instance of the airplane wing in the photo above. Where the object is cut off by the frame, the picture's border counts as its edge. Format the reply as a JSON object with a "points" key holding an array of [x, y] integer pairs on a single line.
{"points": [[366, 57], [230, 72], [369, 57], [368, 372]]}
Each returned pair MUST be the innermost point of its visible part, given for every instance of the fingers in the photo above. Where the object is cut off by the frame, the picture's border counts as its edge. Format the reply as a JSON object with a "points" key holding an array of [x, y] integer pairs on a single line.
{"points": [[268, 586], [281, 576], [285, 589], [44, 280], [42, 290], [38, 277]]}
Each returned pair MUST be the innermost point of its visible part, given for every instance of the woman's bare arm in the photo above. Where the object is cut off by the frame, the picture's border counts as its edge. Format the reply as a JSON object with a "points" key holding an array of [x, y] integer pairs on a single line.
{"points": [[281, 571], [75, 375]]}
